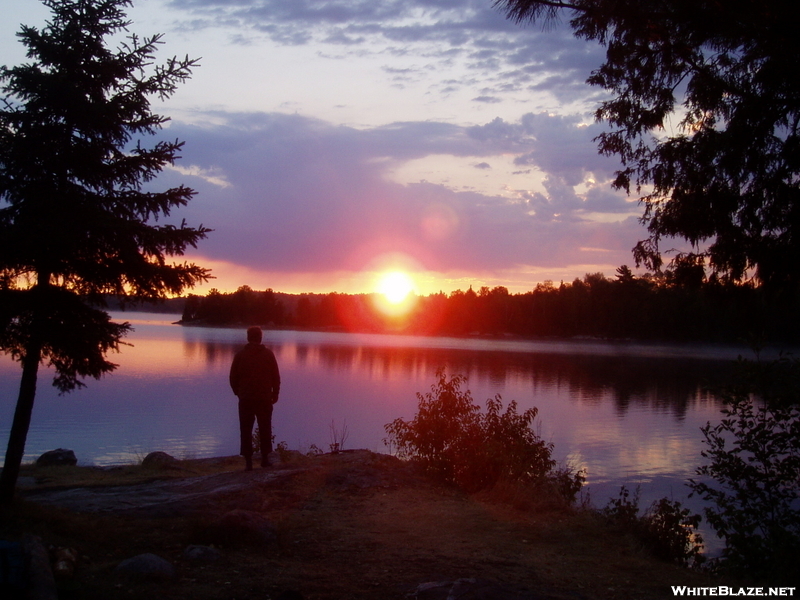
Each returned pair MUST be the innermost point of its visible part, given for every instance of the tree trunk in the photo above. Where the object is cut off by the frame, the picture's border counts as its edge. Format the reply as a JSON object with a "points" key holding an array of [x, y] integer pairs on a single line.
{"points": [[22, 421]]}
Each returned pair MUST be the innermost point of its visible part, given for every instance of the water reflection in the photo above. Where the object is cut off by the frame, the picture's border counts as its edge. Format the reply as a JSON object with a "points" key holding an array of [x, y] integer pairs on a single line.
{"points": [[668, 385]]}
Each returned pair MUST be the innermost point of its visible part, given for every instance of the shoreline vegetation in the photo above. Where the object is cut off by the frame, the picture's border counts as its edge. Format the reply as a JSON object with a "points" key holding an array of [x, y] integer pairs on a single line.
{"points": [[626, 307]]}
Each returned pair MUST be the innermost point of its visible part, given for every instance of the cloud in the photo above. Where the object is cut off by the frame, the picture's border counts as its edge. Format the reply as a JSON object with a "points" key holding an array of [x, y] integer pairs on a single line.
{"points": [[487, 99], [211, 175], [502, 56], [303, 195]]}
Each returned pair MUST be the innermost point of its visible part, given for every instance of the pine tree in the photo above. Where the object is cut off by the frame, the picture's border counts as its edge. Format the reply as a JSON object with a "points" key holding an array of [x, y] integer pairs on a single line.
{"points": [[77, 218]]}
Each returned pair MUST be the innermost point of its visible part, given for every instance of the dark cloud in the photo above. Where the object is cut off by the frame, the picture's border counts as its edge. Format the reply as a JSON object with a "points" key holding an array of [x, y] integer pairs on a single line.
{"points": [[303, 11], [487, 99], [293, 194], [472, 31]]}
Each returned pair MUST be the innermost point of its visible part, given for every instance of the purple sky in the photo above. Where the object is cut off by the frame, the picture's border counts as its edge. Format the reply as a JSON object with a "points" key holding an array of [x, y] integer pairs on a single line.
{"points": [[331, 140]]}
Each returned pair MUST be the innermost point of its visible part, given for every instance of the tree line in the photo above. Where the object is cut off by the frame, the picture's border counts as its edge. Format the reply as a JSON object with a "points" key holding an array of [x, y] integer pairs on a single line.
{"points": [[672, 306]]}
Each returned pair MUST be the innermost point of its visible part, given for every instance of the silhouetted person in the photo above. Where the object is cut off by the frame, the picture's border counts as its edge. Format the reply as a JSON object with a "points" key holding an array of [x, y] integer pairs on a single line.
{"points": [[256, 381]]}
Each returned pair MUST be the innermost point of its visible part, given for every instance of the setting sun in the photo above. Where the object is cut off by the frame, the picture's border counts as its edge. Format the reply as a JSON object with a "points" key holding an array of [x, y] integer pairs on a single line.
{"points": [[396, 286]]}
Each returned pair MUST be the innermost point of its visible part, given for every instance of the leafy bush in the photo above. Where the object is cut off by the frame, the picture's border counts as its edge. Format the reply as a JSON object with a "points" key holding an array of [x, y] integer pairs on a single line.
{"points": [[753, 479], [623, 510], [440, 434], [671, 532], [454, 441], [666, 528], [283, 450], [566, 481]]}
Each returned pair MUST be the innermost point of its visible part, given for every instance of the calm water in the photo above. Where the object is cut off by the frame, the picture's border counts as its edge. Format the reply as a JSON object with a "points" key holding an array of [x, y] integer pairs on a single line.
{"points": [[628, 413]]}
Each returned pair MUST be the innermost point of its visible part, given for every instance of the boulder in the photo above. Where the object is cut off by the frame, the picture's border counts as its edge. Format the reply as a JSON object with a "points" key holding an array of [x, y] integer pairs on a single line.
{"points": [[64, 563], [273, 459], [146, 567], [197, 553], [159, 460], [41, 585], [241, 527], [58, 457]]}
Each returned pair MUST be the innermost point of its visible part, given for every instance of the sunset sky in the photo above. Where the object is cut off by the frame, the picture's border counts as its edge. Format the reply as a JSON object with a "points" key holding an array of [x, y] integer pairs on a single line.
{"points": [[332, 140]]}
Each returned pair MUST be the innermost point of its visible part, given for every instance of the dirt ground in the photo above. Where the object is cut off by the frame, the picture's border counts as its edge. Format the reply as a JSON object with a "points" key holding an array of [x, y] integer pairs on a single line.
{"points": [[355, 525]]}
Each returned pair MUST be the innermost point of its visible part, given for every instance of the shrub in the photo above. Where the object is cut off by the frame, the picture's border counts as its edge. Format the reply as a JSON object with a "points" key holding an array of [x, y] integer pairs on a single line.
{"points": [[623, 510], [666, 529], [671, 532], [554, 493], [451, 439], [753, 479]]}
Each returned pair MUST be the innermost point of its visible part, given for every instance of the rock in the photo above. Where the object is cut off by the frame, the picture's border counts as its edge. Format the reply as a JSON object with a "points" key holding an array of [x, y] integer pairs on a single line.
{"points": [[65, 561], [41, 584], [241, 527], [148, 567], [57, 457], [201, 553], [273, 459], [159, 460]]}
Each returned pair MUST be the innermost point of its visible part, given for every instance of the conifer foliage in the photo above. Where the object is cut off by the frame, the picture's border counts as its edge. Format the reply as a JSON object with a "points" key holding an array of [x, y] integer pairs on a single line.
{"points": [[704, 111], [78, 219]]}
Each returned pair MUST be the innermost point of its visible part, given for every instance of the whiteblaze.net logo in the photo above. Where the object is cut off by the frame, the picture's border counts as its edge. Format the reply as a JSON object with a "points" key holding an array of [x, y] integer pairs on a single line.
{"points": [[724, 590]]}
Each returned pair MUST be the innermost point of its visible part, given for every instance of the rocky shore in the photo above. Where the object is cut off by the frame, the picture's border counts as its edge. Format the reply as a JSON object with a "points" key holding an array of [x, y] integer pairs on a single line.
{"points": [[351, 525]]}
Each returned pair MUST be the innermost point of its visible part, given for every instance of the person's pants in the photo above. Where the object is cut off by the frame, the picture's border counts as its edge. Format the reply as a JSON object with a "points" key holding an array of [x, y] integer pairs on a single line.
{"points": [[248, 414]]}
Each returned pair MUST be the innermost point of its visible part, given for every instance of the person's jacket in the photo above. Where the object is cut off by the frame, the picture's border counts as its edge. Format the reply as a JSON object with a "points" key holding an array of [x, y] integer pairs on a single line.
{"points": [[254, 374]]}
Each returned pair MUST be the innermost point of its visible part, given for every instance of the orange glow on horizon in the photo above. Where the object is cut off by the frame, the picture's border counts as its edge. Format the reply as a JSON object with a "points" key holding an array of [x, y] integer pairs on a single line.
{"points": [[229, 276]]}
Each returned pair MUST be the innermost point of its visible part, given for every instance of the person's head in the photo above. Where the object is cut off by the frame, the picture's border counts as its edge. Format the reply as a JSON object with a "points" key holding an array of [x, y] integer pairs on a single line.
{"points": [[254, 335]]}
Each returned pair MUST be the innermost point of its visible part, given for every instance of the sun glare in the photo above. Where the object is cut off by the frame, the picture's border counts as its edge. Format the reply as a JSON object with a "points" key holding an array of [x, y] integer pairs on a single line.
{"points": [[396, 286]]}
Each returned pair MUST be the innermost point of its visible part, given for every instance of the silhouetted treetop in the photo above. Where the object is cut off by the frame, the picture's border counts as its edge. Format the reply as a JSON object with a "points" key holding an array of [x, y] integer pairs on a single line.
{"points": [[70, 180], [704, 116]]}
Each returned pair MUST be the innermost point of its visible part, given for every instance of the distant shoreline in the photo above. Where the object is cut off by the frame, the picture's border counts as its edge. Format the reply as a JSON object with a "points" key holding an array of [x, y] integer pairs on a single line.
{"points": [[769, 352]]}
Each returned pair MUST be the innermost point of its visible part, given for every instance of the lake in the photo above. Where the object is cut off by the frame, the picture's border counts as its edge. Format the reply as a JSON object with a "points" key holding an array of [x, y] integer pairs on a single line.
{"points": [[628, 413]]}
